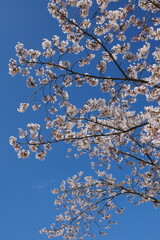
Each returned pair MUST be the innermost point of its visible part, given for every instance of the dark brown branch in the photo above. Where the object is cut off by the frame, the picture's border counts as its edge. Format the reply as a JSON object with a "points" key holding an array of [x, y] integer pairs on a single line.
{"points": [[91, 76], [156, 4], [96, 40], [135, 157], [71, 139]]}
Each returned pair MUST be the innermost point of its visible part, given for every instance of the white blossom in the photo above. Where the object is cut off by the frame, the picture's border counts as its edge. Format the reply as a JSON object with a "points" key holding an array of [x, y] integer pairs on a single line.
{"points": [[23, 107]]}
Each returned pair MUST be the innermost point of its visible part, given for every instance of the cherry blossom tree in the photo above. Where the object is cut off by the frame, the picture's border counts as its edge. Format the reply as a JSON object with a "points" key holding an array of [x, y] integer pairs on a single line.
{"points": [[110, 45]]}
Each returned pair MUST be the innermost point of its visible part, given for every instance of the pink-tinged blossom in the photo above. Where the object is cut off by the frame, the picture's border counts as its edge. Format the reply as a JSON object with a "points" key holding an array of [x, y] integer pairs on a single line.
{"points": [[30, 82], [34, 53], [13, 67], [33, 127], [41, 155], [35, 107], [144, 51], [12, 140], [33, 146], [22, 134], [23, 154], [46, 44], [40, 71], [23, 107]]}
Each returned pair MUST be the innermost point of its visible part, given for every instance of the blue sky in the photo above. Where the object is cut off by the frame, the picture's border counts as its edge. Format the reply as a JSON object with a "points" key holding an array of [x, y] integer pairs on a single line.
{"points": [[26, 204]]}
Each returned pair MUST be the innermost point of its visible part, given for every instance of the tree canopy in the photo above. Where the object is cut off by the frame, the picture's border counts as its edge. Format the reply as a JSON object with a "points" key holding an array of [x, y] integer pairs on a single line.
{"points": [[112, 46]]}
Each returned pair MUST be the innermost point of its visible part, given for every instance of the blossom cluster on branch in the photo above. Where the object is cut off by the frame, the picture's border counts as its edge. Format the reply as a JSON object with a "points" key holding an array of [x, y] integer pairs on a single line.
{"points": [[119, 40]]}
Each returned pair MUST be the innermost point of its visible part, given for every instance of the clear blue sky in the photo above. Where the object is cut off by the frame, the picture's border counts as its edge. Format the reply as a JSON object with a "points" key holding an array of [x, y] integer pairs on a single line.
{"points": [[26, 204]]}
